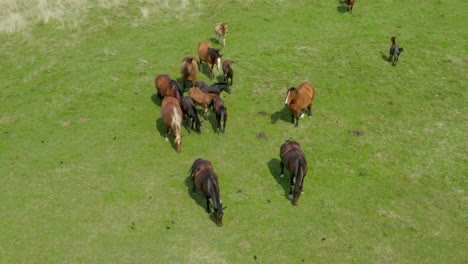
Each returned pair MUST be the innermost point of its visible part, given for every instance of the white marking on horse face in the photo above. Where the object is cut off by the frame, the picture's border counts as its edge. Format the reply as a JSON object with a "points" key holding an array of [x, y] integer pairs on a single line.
{"points": [[167, 139], [287, 98], [218, 62]]}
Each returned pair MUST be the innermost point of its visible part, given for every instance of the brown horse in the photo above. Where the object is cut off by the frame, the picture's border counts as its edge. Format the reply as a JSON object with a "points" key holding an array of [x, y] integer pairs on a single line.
{"points": [[350, 4], [228, 70], [221, 114], [221, 30], [211, 56], [166, 86], [190, 112], [205, 179], [395, 52], [189, 70], [203, 98], [172, 115], [295, 161], [300, 98]]}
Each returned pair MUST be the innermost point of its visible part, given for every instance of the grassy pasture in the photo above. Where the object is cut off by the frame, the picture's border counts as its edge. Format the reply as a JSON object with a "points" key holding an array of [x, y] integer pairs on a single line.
{"points": [[87, 176]]}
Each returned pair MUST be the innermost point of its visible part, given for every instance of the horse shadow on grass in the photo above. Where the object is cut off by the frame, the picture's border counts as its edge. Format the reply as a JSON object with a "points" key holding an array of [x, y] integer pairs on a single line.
{"points": [[282, 114], [342, 7], [156, 100], [384, 57], [198, 197], [275, 171]]}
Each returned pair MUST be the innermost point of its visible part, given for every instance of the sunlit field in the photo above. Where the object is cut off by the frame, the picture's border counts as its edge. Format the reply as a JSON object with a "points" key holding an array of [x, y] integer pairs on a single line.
{"points": [[87, 176]]}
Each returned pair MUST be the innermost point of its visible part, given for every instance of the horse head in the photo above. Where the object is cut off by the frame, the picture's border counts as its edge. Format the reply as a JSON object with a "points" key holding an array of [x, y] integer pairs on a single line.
{"points": [[290, 95], [178, 142], [218, 213]]}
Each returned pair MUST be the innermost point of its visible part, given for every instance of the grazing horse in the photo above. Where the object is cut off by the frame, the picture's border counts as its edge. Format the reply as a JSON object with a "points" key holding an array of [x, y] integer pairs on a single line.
{"points": [[167, 86], [350, 4], [395, 52], [228, 70], [221, 30], [203, 98], [190, 112], [189, 70], [205, 179], [172, 115], [215, 88], [209, 55], [295, 161], [221, 114], [300, 98]]}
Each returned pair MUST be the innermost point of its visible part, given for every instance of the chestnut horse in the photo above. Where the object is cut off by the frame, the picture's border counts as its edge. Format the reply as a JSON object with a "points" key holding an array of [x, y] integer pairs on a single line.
{"points": [[205, 179], [172, 115], [221, 114], [189, 70], [350, 4], [166, 86], [228, 70], [300, 98], [295, 161], [190, 113], [203, 98], [395, 52], [214, 88], [211, 56], [221, 30]]}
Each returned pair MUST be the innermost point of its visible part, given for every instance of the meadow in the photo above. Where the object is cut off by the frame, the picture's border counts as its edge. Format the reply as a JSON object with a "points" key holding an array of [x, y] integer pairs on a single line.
{"points": [[87, 176]]}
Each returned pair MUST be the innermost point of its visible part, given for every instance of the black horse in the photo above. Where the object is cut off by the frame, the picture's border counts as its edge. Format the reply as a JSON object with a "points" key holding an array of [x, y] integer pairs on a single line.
{"points": [[214, 88], [395, 52], [295, 161], [191, 114], [206, 180]]}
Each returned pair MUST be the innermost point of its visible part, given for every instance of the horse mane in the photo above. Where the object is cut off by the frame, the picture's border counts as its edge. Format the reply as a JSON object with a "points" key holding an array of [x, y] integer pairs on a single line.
{"points": [[176, 122], [213, 53], [215, 190]]}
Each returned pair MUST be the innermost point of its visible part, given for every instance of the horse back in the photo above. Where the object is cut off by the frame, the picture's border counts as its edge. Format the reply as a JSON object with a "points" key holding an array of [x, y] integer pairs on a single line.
{"points": [[221, 29], [169, 107], [203, 49], [308, 89], [162, 82], [291, 153]]}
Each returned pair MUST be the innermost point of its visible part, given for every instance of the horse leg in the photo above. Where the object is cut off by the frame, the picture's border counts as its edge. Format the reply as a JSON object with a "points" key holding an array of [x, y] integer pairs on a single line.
{"points": [[190, 124], [290, 195], [282, 169], [167, 133], [194, 188], [208, 205], [297, 120], [309, 107], [224, 125], [211, 73]]}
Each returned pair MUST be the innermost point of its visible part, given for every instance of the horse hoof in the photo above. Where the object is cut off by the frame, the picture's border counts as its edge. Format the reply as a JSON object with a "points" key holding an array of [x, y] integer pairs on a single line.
{"points": [[302, 116], [167, 139], [282, 175]]}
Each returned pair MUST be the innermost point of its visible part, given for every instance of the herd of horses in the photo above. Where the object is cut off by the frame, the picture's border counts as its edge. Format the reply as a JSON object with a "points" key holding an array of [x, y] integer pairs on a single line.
{"points": [[175, 108]]}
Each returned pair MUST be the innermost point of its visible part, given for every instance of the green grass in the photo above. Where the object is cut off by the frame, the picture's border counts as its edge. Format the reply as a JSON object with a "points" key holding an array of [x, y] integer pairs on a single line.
{"points": [[87, 176]]}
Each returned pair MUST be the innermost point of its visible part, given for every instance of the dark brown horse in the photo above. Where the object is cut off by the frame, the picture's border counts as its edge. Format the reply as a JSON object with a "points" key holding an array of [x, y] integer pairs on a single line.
{"points": [[295, 161], [172, 115], [228, 71], [211, 56], [221, 114], [191, 114], [298, 99], [205, 179], [189, 70], [214, 88], [203, 98], [166, 86], [221, 30], [350, 4], [395, 52]]}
